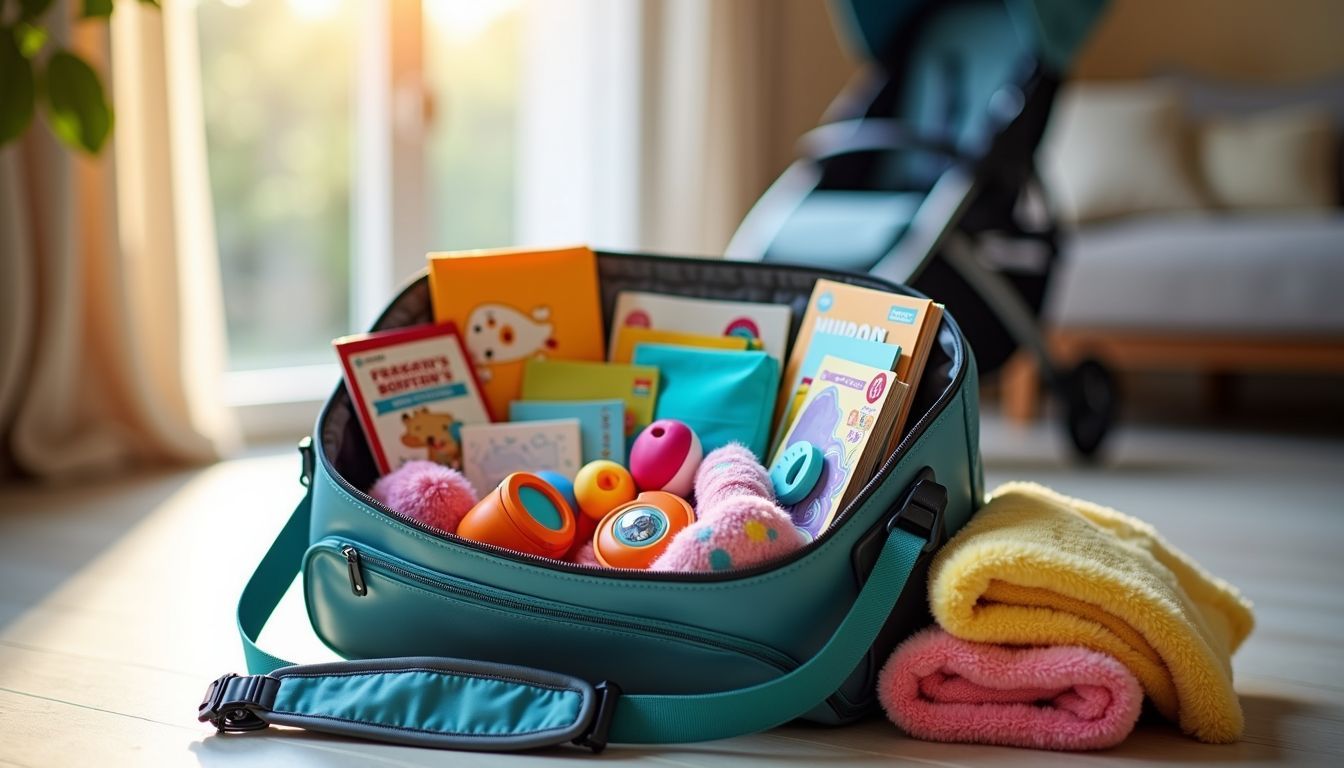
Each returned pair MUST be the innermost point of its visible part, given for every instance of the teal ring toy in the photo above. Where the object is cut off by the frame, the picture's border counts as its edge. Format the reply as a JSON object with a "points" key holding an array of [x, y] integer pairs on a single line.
{"points": [[796, 472]]}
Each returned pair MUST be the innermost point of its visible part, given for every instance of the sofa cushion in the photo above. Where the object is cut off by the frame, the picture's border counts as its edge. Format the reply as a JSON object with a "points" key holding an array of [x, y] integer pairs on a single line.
{"points": [[1280, 159], [1252, 273], [1113, 150]]}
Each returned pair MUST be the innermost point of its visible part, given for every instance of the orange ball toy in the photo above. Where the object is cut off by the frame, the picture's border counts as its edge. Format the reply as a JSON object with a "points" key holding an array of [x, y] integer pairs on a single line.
{"points": [[634, 534]]}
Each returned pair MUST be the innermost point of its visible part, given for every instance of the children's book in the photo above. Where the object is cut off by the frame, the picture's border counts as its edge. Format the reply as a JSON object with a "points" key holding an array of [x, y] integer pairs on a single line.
{"points": [[601, 423], [634, 385], [518, 305], [491, 451], [867, 315], [848, 414], [412, 388], [709, 317], [627, 337], [873, 353]]}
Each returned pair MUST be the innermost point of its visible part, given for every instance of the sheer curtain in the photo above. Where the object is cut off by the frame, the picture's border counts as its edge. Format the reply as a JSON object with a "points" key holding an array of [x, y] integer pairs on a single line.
{"points": [[655, 124], [111, 340]]}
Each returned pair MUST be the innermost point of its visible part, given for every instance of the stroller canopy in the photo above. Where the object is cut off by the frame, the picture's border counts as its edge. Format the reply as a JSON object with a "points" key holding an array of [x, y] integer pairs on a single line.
{"points": [[1053, 29]]}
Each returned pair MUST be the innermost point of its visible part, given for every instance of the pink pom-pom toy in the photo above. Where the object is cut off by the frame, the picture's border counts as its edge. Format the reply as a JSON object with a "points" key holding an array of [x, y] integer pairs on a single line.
{"points": [[427, 491], [738, 522]]}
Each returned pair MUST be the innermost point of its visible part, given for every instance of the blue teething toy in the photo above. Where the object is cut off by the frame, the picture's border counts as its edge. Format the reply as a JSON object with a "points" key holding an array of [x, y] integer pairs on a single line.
{"points": [[796, 472]]}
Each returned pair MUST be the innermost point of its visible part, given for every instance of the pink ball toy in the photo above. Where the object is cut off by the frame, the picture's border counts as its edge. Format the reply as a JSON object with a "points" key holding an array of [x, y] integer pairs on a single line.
{"points": [[665, 456], [730, 471], [741, 531], [427, 491]]}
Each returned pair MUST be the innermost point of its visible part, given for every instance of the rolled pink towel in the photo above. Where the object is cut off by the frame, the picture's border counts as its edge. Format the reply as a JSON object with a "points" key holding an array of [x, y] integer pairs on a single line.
{"points": [[940, 688]]}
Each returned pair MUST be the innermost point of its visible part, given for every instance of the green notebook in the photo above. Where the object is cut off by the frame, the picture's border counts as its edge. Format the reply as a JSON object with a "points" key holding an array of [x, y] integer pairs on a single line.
{"points": [[635, 385]]}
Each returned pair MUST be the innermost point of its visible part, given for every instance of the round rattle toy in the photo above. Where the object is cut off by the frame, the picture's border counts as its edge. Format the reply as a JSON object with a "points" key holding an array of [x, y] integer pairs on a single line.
{"points": [[665, 456], [525, 514], [601, 486], [634, 534], [796, 472]]}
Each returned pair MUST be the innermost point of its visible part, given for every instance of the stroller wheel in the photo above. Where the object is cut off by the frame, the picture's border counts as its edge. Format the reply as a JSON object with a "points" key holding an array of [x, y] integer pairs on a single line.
{"points": [[1090, 397]]}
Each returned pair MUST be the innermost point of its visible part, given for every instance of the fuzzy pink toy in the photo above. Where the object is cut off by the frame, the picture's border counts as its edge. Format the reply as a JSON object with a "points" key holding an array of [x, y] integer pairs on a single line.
{"points": [[584, 555], [431, 493], [738, 522], [941, 688], [730, 471]]}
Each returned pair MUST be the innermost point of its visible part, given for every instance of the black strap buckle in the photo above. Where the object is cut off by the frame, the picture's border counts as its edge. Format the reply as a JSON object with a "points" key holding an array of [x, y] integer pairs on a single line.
{"points": [[595, 738], [922, 512], [233, 702], [309, 455]]}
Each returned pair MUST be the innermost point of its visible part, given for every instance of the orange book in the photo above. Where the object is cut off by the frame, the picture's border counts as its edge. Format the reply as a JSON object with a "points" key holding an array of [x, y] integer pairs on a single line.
{"points": [[866, 313], [517, 305]]}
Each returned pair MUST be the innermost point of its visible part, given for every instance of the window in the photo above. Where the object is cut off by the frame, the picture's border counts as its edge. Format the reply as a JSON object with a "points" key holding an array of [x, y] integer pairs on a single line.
{"points": [[346, 138]]}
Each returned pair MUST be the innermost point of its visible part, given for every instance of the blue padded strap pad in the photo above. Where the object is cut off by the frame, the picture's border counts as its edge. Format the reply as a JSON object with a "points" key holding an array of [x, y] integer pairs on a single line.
{"points": [[434, 702]]}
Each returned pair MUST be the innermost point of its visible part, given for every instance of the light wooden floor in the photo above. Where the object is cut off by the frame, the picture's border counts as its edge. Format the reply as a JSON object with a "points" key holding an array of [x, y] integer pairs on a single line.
{"points": [[116, 607]]}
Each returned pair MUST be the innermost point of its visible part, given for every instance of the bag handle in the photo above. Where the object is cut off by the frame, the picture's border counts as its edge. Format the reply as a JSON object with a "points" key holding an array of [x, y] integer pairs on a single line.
{"points": [[463, 704]]}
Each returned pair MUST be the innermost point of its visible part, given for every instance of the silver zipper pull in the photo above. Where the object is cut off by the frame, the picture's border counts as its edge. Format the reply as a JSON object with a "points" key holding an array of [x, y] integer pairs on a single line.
{"points": [[356, 568]]}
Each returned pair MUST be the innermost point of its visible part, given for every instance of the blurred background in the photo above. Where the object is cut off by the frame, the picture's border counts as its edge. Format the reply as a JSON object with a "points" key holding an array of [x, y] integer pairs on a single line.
{"points": [[276, 168]]}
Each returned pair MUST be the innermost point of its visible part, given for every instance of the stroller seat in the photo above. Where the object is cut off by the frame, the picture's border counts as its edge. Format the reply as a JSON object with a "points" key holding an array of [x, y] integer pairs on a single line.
{"points": [[923, 172]]}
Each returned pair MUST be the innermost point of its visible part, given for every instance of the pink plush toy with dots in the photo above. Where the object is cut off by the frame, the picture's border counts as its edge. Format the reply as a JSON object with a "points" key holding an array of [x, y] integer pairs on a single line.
{"points": [[738, 522], [435, 495]]}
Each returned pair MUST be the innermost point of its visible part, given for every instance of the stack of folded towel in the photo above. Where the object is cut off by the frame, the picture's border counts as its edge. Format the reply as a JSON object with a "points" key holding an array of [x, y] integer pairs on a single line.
{"points": [[1054, 614]]}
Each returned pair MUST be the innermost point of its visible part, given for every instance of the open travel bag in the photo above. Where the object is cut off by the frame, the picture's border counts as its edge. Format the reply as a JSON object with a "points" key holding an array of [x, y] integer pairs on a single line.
{"points": [[462, 645]]}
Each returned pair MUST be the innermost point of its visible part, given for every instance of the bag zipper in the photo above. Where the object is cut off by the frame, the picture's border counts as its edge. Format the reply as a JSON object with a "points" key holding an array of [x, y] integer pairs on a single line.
{"points": [[356, 559], [668, 576]]}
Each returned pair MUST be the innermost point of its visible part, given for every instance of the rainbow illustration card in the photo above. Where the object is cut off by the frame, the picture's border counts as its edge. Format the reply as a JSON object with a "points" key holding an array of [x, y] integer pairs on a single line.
{"points": [[710, 317], [848, 414]]}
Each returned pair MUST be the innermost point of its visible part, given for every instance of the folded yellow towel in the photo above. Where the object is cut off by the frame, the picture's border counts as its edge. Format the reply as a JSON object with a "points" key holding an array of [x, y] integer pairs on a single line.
{"points": [[1034, 567]]}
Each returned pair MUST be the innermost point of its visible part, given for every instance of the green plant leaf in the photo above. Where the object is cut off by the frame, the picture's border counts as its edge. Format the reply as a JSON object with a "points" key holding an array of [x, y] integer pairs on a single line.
{"points": [[16, 89], [97, 9], [80, 115], [31, 38], [31, 9]]}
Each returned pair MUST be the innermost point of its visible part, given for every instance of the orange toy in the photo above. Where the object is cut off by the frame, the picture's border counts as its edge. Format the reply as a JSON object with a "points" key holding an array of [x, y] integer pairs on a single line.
{"points": [[601, 486], [525, 514], [634, 534]]}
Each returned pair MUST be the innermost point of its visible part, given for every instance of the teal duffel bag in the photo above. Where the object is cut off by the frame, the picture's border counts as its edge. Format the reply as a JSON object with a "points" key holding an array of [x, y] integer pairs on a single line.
{"points": [[462, 645]]}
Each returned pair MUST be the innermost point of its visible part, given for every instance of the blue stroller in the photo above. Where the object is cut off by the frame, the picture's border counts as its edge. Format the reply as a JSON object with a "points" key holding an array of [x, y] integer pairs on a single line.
{"points": [[923, 172]]}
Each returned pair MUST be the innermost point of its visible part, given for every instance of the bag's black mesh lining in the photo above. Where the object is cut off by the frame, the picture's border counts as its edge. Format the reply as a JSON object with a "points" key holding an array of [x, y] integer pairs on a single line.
{"points": [[343, 440]]}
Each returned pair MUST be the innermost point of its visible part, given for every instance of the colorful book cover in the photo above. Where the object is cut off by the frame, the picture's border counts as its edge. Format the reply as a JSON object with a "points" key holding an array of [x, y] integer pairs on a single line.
{"points": [[868, 315], [709, 317], [491, 451], [412, 388], [623, 350], [518, 305], [874, 353], [848, 413], [601, 423], [634, 385]]}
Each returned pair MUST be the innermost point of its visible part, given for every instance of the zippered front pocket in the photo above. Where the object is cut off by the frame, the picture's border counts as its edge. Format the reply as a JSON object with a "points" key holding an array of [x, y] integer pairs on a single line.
{"points": [[365, 604]]}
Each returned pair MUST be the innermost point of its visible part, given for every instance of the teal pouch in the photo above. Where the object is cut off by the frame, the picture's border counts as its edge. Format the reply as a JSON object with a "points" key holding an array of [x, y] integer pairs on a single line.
{"points": [[724, 395]]}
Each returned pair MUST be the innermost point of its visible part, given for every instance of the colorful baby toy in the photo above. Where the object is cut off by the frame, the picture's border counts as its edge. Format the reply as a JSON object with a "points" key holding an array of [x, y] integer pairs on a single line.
{"points": [[665, 456], [525, 514], [601, 486], [633, 535], [796, 472], [738, 522], [427, 491]]}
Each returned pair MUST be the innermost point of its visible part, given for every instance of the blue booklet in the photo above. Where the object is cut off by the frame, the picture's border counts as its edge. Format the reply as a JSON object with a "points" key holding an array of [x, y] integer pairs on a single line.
{"points": [[601, 423]]}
